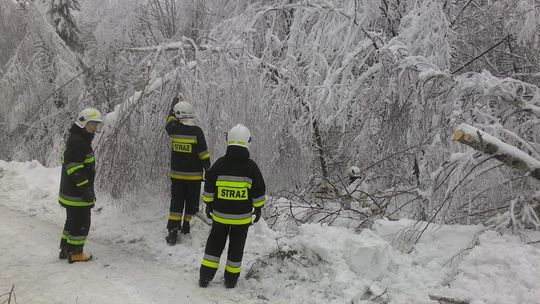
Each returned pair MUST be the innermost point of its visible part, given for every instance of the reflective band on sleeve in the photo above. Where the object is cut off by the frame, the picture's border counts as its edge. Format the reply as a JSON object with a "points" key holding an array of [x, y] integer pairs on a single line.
{"points": [[65, 235], [84, 182], [187, 218], [90, 159], [210, 264], [259, 201], [70, 168], [204, 155], [171, 118]]}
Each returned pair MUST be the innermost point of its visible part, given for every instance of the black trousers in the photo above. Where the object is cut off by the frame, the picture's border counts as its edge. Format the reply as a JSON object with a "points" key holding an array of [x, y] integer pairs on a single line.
{"points": [[184, 199], [76, 229], [237, 235]]}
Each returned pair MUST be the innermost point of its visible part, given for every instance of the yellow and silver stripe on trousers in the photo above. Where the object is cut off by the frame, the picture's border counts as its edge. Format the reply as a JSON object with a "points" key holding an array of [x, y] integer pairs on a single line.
{"points": [[210, 261], [177, 216]]}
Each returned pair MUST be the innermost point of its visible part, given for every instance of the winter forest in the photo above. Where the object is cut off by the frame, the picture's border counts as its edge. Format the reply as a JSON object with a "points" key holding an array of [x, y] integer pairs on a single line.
{"points": [[434, 104]]}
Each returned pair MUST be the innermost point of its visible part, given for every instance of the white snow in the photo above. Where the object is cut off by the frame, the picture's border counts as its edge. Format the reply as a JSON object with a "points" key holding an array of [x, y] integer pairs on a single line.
{"points": [[312, 264]]}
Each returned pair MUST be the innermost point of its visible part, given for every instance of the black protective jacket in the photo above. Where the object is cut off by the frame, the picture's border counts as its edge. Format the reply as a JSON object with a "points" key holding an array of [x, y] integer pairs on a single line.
{"points": [[78, 170], [189, 153], [234, 186]]}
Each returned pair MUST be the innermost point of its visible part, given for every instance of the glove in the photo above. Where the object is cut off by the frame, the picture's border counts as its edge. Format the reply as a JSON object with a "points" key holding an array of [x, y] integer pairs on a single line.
{"points": [[88, 195], [208, 211], [257, 212]]}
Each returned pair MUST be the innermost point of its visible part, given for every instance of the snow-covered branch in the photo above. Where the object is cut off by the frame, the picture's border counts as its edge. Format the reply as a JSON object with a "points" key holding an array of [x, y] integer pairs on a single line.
{"points": [[500, 150]]}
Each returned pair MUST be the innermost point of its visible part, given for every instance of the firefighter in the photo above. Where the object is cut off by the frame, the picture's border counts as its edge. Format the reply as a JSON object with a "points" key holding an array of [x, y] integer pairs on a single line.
{"points": [[189, 157], [234, 190], [77, 194]]}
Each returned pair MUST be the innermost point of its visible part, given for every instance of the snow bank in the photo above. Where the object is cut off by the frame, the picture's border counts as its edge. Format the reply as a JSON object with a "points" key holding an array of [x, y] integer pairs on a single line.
{"points": [[500, 270], [366, 254]]}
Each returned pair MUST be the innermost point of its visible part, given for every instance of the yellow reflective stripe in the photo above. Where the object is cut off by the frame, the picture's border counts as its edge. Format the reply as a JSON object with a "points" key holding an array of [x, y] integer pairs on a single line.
{"points": [[230, 221], [90, 160], [184, 140], [259, 204], [185, 177], [210, 264], [232, 269], [64, 236], [204, 156], [207, 199], [171, 118], [92, 114], [239, 142], [84, 182], [74, 168], [76, 242], [180, 218], [233, 184], [74, 203]]}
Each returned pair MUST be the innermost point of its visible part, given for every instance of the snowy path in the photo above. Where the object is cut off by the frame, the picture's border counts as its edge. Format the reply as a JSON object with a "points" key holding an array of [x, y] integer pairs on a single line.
{"points": [[29, 261]]}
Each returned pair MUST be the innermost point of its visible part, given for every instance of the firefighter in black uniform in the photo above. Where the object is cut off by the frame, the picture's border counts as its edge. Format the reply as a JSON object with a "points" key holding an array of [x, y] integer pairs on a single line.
{"points": [[189, 157], [77, 185], [234, 190]]}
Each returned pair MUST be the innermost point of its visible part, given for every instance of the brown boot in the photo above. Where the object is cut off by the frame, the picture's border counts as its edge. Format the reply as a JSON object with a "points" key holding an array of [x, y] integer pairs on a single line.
{"points": [[79, 257]]}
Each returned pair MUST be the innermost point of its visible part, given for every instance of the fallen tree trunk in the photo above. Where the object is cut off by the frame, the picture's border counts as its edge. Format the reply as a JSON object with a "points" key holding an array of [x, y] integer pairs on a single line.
{"points": [[508, 154]]}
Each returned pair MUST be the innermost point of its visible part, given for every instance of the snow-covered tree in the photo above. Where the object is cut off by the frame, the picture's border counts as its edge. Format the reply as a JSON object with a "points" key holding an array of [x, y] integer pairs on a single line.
{"points": [[61, 16]]}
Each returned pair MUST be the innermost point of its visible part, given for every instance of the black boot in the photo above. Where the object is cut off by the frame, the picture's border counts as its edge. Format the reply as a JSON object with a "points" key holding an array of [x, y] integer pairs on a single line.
{"points": [[172, 238], [63, 250], [203, 283], [186, 228], [63, 254], [230, 283]]}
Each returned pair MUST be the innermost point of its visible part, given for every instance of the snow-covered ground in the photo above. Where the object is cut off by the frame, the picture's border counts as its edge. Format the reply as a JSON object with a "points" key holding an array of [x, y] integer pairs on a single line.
{"points": [[315, 264]]}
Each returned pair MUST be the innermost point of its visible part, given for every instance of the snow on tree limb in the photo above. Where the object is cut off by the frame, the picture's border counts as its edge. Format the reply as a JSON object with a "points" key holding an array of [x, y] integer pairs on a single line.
{"points": [[510, 155]]}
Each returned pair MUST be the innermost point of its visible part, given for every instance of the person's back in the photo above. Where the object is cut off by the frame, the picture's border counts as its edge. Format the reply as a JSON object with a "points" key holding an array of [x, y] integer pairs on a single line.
{"points": [[188, 151], [234, 190], [189, 158], [236, 178]]}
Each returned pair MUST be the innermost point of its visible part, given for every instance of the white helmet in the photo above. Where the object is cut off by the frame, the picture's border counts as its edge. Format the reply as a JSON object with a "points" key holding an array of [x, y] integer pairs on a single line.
{"points": [[354, 171], [183, 110], [86, 115], [239, 135]]}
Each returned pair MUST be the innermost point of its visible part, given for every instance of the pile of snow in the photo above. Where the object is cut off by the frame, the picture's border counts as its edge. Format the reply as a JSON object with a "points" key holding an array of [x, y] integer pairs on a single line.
{"points": [[312, 263], [500, 270]]}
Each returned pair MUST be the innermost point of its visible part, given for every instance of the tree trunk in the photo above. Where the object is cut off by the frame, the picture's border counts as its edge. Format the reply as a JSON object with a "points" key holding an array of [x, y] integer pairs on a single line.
{"points": [[508, 154]]}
